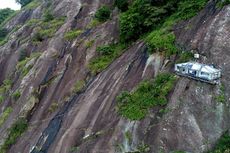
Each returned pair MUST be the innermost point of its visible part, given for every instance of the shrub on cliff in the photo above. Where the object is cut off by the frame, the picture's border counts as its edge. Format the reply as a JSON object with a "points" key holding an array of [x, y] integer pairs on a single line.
{"points": [[135, 105], [103, 14]]}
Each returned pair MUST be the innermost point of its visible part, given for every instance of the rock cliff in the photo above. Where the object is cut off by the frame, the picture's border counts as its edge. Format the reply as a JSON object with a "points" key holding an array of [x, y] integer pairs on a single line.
{"points": [[86, 121]]}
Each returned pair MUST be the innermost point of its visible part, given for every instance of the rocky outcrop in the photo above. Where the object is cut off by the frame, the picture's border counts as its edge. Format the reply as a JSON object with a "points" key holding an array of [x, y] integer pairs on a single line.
{"points": [[61, 121]]}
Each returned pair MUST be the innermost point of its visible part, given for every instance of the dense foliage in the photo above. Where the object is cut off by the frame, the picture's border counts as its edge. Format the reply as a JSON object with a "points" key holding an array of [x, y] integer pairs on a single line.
{"points": [[4, 14], [122, 4], [135, 105], [103, 13], [23, 2], [145, 16], [3, 33]]}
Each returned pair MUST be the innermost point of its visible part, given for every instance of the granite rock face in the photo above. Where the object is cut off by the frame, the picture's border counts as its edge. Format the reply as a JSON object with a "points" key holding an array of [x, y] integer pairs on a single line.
{"points": [[87, 121]]}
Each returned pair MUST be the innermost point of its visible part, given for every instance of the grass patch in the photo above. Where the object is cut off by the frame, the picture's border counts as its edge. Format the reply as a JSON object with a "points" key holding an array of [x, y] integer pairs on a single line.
{"points": [[47, 30], [103, 60], [135, 105], [74, 149], [17, 129], [53, 107], [22, 66], [89, 44], [5, 115], [4, 88], [71, 35], [221, 96], [16, 95], [79, 85], [93, 23], [223, 144]]}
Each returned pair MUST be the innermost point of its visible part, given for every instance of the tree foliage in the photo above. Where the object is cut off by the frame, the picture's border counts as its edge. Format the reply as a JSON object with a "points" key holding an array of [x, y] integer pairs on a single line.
{"points": [[122, 4], [103, 14], [5, 13], [23, 2], [146, 15]]}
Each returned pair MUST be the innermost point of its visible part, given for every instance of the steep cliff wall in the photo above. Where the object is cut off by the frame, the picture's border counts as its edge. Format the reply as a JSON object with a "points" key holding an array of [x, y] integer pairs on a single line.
{"points": [[62, 121]]}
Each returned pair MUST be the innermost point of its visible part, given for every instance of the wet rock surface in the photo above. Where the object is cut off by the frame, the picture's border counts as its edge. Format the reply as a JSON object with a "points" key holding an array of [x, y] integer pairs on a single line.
{"points": [[87, 121]]}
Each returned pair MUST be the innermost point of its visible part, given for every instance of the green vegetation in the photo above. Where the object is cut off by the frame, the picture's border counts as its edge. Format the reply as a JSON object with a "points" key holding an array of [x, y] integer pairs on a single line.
{"points": [[17, 129], [122, 4], [3, 34], [33, 22], [48, 16], [33, 4], [22, 66], [103, 14], [222, 3], [71, 35], [4, 88], [46, 30], [4, 14], [160, 41], [16, 95], [1, 99], [143, 148], [53, 107], [106, 54], [23, 2], [141, 17], [22, 55], [5, 115], [79, 85], [74, 149], [135, 105], [89, 44], [221, 97], [93, 23], [144, 16], [185, 57], [128, 137], [223, 145]]}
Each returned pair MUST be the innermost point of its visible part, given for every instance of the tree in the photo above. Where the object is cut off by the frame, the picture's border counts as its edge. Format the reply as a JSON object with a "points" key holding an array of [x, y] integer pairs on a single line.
{"points": [[23, 2], [3, 33], [5, 13]]}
